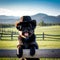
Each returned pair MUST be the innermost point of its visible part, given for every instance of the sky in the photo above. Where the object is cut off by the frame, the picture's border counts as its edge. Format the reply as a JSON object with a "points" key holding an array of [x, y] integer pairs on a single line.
{"points": [[29, 7]]}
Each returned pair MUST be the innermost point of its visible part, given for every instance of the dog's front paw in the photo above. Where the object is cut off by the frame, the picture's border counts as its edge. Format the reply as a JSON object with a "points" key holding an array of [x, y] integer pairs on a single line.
{"points": [[32, 51], [19, 53]]}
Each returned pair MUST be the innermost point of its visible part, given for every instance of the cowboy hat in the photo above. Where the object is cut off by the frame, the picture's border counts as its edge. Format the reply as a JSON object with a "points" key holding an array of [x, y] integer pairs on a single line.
{"points": [[26, 20]]}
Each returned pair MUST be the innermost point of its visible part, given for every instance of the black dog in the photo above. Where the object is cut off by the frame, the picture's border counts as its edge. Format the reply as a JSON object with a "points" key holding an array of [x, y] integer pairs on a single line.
{"points": [[27, 37]]}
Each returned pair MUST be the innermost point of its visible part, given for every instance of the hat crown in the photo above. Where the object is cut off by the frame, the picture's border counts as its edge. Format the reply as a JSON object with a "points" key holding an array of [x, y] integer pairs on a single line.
{"points": [[26, 18]]}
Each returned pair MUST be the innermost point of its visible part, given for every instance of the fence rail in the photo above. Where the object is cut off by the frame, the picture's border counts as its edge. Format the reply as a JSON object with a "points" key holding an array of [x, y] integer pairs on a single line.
{"points": [[13, 36], [45, 53]]}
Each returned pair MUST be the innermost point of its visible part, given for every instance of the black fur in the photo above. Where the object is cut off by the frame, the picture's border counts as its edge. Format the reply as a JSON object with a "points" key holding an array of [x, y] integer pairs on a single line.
{"points": [[28, 42]]}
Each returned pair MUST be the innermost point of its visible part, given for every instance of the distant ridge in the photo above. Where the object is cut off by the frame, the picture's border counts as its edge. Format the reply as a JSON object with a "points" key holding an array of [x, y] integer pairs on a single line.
{"points": [[38, 17], [46, 18]]}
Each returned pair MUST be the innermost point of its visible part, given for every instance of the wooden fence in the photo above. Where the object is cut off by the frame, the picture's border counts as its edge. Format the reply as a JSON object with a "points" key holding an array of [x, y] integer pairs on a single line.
{"points": [[13, 36], [45, 53]]}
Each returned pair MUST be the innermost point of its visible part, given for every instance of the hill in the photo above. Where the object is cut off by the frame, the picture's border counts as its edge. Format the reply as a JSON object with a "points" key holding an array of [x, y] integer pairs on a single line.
{"points": [[38, 17], [8, 19], [46, 18]]}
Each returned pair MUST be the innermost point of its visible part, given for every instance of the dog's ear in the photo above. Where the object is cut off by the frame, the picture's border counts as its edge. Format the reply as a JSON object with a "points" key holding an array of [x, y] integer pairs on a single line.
{"points": [[18, 25], [33, 22]]}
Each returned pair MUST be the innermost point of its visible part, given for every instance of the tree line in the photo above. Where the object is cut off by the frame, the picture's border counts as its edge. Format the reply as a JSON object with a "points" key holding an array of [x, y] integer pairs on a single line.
{"points": [[6, 25], [42, 23]]}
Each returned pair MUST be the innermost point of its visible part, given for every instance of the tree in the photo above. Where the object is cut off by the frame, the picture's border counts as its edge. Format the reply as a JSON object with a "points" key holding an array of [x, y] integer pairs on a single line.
{"points": [[41, 23]]}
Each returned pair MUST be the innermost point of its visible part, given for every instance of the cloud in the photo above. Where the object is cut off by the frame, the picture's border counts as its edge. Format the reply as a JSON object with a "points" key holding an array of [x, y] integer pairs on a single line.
{"points": [[5, 12], [22, 12]]}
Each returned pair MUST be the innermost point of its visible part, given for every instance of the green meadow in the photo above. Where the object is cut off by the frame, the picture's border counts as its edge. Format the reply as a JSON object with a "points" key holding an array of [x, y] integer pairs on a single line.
{"points": [[47, 43], [48, 30], [42, 44], [40, 59]]}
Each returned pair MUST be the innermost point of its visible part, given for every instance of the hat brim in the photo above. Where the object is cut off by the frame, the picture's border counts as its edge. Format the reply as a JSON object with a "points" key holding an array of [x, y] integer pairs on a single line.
{"points": [[33, 23]]}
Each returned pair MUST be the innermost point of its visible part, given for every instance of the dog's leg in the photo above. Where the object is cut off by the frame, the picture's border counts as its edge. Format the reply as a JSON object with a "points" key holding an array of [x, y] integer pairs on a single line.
{"points": [[32, 51], [19, 52]]}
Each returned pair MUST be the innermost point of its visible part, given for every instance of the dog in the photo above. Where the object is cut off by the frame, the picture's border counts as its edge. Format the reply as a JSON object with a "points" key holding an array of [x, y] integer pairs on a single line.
{"points": [[27, 38]]}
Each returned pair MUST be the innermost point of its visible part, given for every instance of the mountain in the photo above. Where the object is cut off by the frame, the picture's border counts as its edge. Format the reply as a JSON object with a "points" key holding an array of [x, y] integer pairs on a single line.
{"points": [[38, 17], [8, 19], [46, 18]]}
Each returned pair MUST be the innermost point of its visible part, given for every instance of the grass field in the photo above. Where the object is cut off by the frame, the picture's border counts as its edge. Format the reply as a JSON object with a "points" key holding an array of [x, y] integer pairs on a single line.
{"points": [[46, 43], [48, 30], [40, 29], [40, 59], [42, 44]]}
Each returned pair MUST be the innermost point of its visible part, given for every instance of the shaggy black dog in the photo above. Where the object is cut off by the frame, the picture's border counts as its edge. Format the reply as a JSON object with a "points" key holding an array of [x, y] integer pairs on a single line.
{"points": [[27, 39]]}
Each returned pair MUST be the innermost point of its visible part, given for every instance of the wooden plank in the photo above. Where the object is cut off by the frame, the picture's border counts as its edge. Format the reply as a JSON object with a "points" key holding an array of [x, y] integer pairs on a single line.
{"points": [[47, 53]]}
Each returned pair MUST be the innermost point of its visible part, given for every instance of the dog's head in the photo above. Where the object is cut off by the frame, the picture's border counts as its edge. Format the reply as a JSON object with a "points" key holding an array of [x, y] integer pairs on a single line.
{"points": [[26, 26]]}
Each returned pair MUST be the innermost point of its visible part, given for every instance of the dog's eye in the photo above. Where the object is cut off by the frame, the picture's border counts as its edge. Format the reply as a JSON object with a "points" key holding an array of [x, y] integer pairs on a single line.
{"points": [[20, 27]]}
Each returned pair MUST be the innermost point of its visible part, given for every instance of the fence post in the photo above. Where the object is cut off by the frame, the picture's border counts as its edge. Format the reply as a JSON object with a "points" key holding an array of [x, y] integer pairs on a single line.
{"points": [[0, 36], [12, 35], [43, 35]]}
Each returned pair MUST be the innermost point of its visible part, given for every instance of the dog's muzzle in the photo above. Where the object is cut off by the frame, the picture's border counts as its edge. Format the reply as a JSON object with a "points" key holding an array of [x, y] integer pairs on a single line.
{"points": [[27, 33]]}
